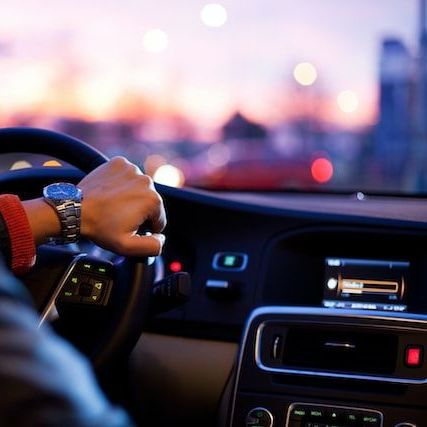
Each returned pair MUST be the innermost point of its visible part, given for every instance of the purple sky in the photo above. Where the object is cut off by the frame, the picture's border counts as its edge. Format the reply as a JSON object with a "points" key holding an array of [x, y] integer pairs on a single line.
{"points": [[205, 73]]}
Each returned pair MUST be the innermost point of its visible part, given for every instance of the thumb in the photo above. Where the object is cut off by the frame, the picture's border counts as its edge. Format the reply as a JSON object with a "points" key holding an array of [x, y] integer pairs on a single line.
{"points": [[146, 245]]}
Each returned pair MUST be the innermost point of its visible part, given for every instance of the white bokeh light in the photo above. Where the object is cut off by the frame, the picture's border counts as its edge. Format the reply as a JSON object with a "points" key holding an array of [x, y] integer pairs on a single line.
{"points": [[155, 41], [214, 15], [348, 101], [305, 73], [169, 175]]}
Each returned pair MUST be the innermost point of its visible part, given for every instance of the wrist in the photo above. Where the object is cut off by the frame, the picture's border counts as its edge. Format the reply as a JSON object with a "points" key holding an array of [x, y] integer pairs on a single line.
{"points": [[43, 219], [86, 224]]}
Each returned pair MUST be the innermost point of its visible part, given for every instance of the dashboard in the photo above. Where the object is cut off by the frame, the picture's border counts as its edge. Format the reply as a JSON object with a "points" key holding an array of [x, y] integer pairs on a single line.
{"points": [[252, 250], [302, 304], [324, 294]]}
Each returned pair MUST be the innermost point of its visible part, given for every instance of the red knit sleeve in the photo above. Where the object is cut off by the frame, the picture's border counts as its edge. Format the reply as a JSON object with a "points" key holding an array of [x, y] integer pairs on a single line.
{"points": [[23, 249]]}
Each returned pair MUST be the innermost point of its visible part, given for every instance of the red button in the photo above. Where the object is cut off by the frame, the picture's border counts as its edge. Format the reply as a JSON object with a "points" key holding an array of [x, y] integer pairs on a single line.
{"points": [[175, 266], [414, 356]]}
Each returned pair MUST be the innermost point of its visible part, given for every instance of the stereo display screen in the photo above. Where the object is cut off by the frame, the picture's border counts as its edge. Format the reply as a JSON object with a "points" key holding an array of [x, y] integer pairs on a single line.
{"points": [[365, 284]]}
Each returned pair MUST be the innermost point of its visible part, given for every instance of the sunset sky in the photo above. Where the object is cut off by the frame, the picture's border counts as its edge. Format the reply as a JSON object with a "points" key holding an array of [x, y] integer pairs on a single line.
{"points": [[87, 58]]}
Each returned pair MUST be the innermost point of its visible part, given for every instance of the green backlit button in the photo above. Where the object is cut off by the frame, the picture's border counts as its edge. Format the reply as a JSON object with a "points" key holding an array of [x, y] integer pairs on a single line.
{"points": [[87, 266], [98, 285], [102, 270], [68, 294], [230, 261], [298, 413], [371, 420], [74, 280]]}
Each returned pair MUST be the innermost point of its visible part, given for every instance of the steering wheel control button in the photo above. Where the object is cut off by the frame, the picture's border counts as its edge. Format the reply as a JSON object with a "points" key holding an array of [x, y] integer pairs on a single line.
{"points": [[85, 289], [230, 261], [89, 283], [414, 355], [259, 417]]}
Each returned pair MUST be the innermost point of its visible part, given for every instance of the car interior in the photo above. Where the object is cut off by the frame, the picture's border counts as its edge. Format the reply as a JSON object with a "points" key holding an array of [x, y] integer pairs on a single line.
{"points": [[288, 141]]}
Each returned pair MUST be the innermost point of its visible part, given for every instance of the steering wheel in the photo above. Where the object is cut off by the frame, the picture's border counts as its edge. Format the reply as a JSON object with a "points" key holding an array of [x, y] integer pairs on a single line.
{"points": [[101, 297]]}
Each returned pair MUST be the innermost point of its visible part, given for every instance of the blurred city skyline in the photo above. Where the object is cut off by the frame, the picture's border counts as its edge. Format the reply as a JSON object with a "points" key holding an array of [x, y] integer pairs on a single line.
{"points": [[91, 61]]}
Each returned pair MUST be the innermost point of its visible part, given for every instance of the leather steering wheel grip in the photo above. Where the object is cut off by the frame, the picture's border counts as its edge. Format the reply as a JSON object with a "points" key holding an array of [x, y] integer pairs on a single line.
{"points": [[61, 146]]}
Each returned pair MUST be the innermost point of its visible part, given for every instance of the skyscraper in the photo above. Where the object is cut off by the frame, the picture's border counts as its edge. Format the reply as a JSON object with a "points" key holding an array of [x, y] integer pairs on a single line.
{"points": [[396, 104]]}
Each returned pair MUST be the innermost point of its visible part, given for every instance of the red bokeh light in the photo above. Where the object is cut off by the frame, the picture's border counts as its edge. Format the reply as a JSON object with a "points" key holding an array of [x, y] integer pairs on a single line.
{"points": [[322, 170], [175, 266]]}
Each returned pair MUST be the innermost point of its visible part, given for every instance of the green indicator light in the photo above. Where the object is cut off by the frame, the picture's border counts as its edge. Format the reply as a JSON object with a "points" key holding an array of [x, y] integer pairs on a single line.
{"points": [[334, 415], [299, 412], [316, 413], [102, 270], [352, 417], [68, 294], [88, 266], [230, 261], [74, 279]]}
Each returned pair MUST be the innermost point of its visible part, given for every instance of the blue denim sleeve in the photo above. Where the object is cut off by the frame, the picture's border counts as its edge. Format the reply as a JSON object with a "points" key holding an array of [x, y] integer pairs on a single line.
{"points": [[44, 381]]}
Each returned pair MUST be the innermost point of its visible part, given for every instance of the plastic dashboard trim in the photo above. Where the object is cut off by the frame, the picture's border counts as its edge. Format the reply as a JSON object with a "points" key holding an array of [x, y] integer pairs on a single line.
{"points": [[316, 311]]}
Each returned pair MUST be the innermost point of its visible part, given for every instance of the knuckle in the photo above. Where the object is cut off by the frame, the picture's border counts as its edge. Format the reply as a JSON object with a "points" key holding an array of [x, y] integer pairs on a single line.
{"points": [[146, 180], [118, 160], [156, 199]]}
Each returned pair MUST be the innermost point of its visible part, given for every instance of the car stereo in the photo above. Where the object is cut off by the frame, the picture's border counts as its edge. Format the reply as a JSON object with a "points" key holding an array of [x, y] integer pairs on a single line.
{"points": [[365, 284]]}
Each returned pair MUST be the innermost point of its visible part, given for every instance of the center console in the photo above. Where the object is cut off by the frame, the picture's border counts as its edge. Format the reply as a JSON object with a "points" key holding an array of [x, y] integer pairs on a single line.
{"points": [[323, 367]]}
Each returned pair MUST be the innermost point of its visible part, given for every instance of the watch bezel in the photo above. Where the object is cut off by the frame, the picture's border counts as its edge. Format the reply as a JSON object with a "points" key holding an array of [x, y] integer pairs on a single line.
{"points": [[51, 192]]}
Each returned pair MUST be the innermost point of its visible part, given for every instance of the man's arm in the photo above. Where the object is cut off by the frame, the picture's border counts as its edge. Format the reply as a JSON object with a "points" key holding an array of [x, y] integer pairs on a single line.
{"points": [[44, 380], [117, 199]]}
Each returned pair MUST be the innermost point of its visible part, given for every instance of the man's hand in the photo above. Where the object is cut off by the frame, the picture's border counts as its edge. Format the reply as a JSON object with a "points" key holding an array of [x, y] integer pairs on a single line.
{"points": [[117, 199]]}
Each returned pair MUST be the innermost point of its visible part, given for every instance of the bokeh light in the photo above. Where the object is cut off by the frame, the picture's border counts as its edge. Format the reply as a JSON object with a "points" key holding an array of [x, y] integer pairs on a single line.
{"points": [[153, 162], [52, 164], [155, 41], [322, 170], [214, 15], [21, 164], [305, 73], [348, 101], [169, 175]]}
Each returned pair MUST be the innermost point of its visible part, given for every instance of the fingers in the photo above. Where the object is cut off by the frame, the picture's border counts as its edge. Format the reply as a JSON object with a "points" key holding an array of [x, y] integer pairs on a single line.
{"points": [[157, 214], [141, 246]]}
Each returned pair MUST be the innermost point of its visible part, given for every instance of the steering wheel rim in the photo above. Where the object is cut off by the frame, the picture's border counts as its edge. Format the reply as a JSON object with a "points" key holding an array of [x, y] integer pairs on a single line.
{"points": [[126, 323], [41, 141]]}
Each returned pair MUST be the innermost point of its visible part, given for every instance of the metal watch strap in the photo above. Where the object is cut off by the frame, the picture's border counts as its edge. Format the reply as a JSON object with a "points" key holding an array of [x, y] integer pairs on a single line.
{"points": [[69, 214]]}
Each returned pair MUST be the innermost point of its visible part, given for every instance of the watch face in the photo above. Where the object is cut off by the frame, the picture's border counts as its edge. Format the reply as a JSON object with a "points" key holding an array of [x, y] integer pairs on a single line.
{"points": [[61, 191]]}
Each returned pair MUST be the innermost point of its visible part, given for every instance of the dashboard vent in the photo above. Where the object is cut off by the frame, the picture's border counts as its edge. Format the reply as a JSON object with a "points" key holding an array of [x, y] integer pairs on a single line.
{"points": [[340, 351]]}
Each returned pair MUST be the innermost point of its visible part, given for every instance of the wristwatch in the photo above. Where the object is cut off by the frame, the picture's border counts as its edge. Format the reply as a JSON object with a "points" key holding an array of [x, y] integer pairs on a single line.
{"points": [[66, 199]]}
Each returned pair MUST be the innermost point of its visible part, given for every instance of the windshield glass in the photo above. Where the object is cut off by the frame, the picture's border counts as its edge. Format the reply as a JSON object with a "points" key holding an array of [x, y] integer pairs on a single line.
{"points": [[261, 94]]}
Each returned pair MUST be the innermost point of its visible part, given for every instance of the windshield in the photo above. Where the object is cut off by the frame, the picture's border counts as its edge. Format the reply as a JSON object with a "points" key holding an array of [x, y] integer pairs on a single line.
{"points": [[261, 94]]}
